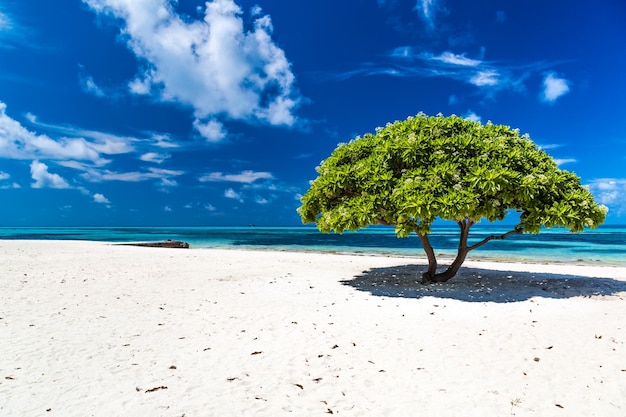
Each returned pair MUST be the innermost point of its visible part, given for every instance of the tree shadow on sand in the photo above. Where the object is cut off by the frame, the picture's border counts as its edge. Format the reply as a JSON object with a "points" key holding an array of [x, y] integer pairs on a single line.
{"points": [[483, 285]]}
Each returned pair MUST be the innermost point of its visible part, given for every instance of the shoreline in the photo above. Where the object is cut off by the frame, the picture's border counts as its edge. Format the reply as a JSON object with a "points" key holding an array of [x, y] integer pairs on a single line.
{"points": [[93, 328], [445, 259], [606, 245]]}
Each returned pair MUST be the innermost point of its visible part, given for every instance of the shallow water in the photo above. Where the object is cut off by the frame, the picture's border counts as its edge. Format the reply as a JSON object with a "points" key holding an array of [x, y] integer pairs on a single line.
{"points": [[605, 245]]}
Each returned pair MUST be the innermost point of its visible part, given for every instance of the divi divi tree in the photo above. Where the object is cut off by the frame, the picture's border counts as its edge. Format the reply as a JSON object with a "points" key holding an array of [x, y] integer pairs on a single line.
{"points": [[412, 172]]}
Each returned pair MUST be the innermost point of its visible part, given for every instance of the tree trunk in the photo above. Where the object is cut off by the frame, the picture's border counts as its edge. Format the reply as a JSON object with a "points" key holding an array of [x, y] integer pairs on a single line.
{"points": [[432, 259], [431, 276]]}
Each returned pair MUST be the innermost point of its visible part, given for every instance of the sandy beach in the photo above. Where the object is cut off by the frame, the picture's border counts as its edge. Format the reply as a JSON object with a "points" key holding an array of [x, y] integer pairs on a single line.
{"points": [[96, 329]]}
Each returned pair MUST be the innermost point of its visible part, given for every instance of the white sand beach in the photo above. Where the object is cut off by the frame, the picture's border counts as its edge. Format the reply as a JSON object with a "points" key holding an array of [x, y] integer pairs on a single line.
{"points": [[95, 329]]}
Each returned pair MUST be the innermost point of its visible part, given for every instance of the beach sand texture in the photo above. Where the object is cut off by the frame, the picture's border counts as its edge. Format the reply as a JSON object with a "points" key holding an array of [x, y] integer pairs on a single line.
{"points": [[94, 329]]}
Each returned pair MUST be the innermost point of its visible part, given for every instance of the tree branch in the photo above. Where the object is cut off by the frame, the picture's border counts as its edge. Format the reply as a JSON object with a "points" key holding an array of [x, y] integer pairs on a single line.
{"points": [[495, 237], [466, 223]]}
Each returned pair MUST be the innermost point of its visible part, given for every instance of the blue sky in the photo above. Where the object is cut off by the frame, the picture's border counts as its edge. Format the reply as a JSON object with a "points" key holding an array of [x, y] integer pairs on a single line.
{"points": [[160, 112]]}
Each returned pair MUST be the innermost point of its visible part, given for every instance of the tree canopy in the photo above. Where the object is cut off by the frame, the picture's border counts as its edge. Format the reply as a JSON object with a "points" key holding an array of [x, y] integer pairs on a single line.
{"points": [[411, 172]]}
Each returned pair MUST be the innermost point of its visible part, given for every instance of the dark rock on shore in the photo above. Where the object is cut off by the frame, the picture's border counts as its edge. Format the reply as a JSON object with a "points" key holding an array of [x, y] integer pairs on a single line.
{"points": [[164, 244]]}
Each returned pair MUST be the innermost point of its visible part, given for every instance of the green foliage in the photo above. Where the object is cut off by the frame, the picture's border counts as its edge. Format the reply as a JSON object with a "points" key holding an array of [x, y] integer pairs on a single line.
{"points": [[411, 172]]}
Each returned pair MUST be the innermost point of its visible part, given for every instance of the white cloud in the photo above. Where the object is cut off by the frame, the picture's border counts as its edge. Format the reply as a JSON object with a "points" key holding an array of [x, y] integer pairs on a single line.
{"points": [[260, 200], [210, 207], [610, 192], [89, 86], [470, 115], [243, 177], [72, 144], [455, 59], [256, 10], [82, 150], [271, 187], [447, 58], [80, 166], [230, 193], [485, 78], [140, 86], [404, 52], [12, 33], [211, 130], [155, 157], [164, 141], [550, 146], [260, 187], [214, 65], [166, 184], [409, 61], [427, 10], [103, 142], [134, 176], [167, 208], [6, 23], [554, 87], [563, 161], [100, 198], [45, 179], [4, 176], [16, 142]]}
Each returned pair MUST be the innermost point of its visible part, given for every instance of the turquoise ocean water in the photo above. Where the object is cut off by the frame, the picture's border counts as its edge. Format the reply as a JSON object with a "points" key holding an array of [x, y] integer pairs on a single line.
{"points": [[603, 246]]}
